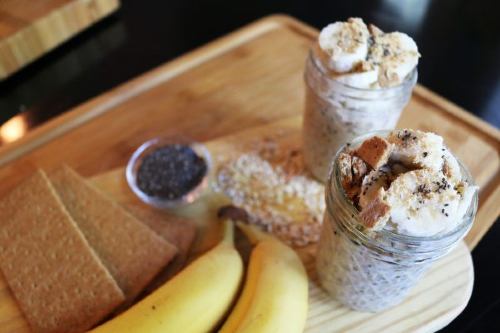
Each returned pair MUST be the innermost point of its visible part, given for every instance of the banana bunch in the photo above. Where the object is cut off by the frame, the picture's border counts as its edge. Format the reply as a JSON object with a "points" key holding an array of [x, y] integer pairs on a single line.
{"points": [[195, 300], [274, 298]]}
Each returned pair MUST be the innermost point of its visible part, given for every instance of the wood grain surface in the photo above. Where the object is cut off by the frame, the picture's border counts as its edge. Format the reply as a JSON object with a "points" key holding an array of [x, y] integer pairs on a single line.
{"points": [[28, 29], [248, 78]]}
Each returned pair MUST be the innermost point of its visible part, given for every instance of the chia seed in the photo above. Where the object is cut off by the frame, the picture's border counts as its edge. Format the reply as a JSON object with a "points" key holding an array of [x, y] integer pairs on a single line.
{"points": [[171, 171]]}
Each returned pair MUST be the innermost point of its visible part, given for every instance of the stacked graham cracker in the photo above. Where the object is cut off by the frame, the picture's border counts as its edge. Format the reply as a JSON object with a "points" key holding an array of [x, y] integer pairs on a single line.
{"points": [[71, 255]]}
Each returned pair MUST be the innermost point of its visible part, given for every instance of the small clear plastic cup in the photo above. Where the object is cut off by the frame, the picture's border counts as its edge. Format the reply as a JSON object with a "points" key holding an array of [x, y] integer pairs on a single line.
{"points": [[148, 147]]}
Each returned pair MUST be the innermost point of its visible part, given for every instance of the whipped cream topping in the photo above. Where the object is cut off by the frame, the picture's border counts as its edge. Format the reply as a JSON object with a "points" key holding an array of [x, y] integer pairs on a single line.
{"points": [[364, 56], [418, 191]]}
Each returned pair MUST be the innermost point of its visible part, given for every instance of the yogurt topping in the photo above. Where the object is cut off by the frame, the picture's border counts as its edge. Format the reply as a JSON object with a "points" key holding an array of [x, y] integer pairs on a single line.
{"points": [[364, 56], [412, 186]]}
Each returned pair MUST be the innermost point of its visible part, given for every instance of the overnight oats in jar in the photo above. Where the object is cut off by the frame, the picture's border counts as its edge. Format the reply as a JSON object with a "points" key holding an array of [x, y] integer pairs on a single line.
{"points": [[396, 202], [358, 79]]}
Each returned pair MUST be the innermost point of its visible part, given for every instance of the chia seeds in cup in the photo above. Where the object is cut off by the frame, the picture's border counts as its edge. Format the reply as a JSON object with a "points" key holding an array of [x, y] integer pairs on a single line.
{"points": [[167, 173], [171, 171]]}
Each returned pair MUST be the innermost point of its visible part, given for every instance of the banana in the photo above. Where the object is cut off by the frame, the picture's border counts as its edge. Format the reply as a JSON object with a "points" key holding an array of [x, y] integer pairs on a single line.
{"points": [[274, 298], [195, 300], [345, 44], [395, 52]]}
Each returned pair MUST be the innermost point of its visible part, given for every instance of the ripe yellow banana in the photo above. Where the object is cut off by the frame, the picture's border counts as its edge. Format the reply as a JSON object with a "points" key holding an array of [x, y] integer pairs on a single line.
{"points": [[195, 300], [274, 298]]}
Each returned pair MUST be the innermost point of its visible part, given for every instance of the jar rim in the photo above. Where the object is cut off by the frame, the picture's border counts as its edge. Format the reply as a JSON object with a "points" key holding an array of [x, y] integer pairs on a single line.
{"points": [[334, 184], [410, 79]]}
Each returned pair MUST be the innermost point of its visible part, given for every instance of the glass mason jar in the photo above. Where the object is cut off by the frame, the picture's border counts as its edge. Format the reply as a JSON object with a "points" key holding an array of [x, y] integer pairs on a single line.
{"points": [[371, 271], [336, 113]]}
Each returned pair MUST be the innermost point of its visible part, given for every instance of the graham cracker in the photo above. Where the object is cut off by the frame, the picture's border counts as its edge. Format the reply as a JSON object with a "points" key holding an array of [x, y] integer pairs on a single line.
{"points": [[57, 279], [132, 252], [376, 214], [177, 230], [375, 151]]}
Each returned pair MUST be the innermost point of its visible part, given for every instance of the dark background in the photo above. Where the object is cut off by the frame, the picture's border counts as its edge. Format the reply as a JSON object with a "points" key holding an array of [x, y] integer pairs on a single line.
{"points": [[459, 41]]}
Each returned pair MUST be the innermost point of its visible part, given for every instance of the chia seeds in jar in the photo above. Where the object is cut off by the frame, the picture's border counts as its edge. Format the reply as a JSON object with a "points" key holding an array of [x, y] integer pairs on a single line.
{"points": [[336, 113], [370, 270]]}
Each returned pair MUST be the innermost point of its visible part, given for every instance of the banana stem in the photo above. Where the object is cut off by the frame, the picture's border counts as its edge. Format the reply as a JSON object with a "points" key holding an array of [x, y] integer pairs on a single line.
{"points": [[253, 233], [228, 233]]}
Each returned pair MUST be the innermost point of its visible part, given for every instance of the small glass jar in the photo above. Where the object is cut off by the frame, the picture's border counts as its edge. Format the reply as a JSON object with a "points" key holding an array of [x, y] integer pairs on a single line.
{"points": [[336, 113], [371, 271]]}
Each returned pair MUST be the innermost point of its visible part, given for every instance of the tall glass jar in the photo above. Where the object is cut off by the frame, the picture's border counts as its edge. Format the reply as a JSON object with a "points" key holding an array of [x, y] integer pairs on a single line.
{"points": [[336, 113], [371, 271]]}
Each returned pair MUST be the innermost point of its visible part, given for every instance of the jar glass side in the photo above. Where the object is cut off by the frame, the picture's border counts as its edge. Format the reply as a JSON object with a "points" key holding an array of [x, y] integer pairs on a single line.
{"points": [[335, 113], [358, 277]]}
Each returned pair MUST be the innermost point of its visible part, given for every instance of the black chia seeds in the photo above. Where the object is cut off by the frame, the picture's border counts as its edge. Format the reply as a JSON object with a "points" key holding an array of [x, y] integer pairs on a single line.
{"points": [[171, 171]]}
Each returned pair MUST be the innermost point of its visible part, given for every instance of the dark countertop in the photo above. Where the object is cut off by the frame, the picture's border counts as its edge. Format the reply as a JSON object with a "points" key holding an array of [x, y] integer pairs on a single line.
{"points": [[459, 41]]}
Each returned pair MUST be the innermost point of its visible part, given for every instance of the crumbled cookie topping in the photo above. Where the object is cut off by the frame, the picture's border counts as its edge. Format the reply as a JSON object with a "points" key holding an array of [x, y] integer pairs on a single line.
{"points": [[413, 184]]}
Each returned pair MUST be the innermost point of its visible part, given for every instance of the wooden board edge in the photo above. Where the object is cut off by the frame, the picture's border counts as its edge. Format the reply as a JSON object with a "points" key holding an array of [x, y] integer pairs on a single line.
{"points": [[444, 105], [102, 103], [293, 24], [444, 320], [488, 212], [106, 8]]}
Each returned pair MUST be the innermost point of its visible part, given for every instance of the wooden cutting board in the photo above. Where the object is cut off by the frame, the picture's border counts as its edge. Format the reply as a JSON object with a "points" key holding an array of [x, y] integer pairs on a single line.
{"points": [[28, 29], [436, 301], [251, 77]]}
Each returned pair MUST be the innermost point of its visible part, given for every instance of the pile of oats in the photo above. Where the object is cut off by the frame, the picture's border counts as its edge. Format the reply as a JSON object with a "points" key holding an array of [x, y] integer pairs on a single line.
{"points": [[272, 185]]}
